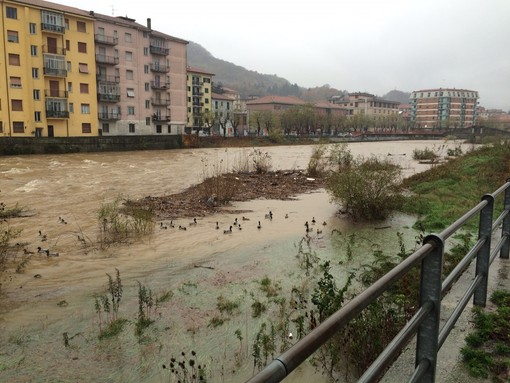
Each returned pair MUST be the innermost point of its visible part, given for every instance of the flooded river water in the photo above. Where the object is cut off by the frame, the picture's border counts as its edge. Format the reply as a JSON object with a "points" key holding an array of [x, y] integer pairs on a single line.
{"points": [[55, 295]]}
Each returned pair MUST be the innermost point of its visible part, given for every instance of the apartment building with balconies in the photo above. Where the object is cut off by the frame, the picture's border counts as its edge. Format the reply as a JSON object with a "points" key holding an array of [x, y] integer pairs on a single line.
{"points": [[199, 91], [47, 81], [140, 78], [444, 108], [367, 104]]}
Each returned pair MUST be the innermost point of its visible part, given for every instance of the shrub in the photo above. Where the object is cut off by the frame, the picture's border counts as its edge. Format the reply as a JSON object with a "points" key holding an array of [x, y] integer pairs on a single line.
{"points": [[425, 155], [368, 188], [217, 186], [318, 163], [261, 161]]}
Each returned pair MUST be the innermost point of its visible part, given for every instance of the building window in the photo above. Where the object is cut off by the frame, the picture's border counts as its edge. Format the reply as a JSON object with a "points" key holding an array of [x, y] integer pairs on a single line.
{"points": [[70, 87], [15, 82], [1, 127], [129, 75], [130, 92], [18, 127], [37, 116], [131, 128], [145, 51], [11, 13], [147, 86], [106, 128], [71, 107], [37, 94], [85, 109], [84, 68], [68, 45], [35, 72], [69, 66], [82, 47], [33, 50], [32, 27], [14, 59], [145, 34], [12, 36], [145, 69], [84, 88], [169, 129], [86, 127], [147, 104], [147, 120], [17, 105], [129, 56], [127, 37], [81, 26], [131, 110], [158, 128]]}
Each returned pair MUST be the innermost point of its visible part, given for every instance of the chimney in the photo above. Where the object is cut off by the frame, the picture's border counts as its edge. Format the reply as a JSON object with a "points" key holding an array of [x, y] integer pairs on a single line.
{"points": [[149, 23]]}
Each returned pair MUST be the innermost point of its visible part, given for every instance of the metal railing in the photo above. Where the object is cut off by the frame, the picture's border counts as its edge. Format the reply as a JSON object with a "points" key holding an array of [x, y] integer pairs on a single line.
{"points": [[425, 322]]}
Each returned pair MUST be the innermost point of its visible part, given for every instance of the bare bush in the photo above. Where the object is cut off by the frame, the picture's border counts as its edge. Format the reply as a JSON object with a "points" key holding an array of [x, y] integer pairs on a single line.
{"points": [[216, 187], [261, 161]]}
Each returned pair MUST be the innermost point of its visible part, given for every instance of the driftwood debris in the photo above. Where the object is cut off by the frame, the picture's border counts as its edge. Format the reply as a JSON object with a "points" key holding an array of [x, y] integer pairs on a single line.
{"points": [[204, 267]]}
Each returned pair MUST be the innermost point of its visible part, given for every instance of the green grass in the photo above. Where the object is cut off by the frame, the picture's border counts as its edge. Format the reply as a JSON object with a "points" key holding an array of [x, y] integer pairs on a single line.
{"points": [[113, 329], [444, 193]]}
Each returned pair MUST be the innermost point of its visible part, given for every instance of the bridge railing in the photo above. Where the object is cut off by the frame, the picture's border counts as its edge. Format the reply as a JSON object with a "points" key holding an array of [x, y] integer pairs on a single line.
{"points": [[425, 322]]}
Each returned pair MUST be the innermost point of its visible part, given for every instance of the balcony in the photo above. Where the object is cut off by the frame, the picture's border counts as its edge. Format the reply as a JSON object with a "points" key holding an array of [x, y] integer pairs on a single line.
{"points": [[57, 114], [160, 102], [160, 68], [56, 93], [160, 85], [106, 97], [160, 118], [106, 40], [108, 60], [108, 79], [54, 50], [56, 108], [155, 50], [54, 72], [54, 28], [110, 116]]}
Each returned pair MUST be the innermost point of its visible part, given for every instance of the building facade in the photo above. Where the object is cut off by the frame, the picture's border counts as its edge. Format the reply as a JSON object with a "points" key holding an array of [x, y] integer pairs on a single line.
{"points": [[199, 91], [222, 114], [70, 72], [47, 82], [366, 103], [444, 108]]}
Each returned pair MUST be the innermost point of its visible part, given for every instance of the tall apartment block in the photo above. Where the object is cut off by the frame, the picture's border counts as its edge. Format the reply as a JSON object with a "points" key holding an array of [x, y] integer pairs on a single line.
{"points": [[141, 78], [199, 85], [69, 72], [47, 70], [444, 108]]}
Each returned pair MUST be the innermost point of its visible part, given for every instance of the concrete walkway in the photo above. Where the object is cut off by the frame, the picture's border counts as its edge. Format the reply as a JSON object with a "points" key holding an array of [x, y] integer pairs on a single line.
{"points": [[450, 368]]}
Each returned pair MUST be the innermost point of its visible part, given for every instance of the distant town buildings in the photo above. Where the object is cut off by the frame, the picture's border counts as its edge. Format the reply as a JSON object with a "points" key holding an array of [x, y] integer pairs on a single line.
{"points": [[444, 108], [366, 103], [199, 91]]}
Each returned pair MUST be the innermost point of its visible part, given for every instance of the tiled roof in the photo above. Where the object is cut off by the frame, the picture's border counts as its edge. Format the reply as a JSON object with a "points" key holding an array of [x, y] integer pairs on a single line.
{"points": [[124, 21], [328, 105], [53, 6], [217, 96], [197, 70], [286, 100]]}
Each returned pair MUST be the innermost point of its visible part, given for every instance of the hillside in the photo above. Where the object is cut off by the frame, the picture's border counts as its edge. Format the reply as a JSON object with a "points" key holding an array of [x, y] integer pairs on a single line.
{"points": [[251, 83]]}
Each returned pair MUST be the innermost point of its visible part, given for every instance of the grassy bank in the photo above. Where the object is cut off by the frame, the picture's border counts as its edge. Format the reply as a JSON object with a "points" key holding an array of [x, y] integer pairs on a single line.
{"points": [[444, 193]]}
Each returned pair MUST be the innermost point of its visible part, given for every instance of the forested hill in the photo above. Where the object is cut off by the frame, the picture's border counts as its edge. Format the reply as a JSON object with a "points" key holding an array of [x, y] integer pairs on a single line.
{"points": [[251, 83]]}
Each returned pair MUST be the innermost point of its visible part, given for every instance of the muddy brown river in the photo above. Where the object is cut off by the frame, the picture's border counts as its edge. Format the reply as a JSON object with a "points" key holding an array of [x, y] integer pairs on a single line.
{"points": [[55, 295]]}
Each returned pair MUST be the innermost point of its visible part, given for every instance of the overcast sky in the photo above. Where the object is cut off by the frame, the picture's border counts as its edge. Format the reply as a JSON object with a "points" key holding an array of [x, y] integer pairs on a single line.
{"points": [[368, 45]]}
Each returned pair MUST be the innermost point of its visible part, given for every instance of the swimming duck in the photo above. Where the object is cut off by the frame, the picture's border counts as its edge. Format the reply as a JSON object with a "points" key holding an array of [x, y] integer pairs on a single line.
{"points": [[245, 218], [50, 254], [235, 222], [269, 215], [182, 228], [313, 221], [229, 231], [259, 226], [217, 225], [161, 226], [40, 250]]}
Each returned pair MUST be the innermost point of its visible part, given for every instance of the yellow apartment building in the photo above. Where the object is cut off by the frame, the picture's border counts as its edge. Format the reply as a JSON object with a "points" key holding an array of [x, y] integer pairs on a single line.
{"points": [[47, 70], [199, 91]]}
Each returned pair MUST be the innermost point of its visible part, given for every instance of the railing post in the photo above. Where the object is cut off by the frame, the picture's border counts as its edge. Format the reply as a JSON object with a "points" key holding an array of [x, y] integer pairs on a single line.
{"points": [[505, 249], [430, 291], [483, 257]]}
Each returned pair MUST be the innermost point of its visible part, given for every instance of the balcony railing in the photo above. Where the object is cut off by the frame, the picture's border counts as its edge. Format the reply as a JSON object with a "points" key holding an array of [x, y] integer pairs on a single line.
{"points": [[53, 28], [57, 93], [160, 68], [159, 50], [106, 40], [109, 60], [54, 50], [57, 114], [160, 102], [55, 72], [108, 78], [105, 97], [111, 116], [160, 118], [160, 85]]}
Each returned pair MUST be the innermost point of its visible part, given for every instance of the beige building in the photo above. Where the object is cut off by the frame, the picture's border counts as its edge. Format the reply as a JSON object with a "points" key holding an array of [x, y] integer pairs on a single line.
{"points": [[444, 108], [47, 70], [141, 78], [366, 103], [199, 91]]}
